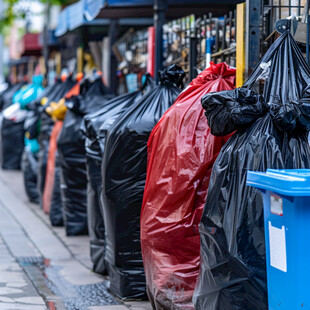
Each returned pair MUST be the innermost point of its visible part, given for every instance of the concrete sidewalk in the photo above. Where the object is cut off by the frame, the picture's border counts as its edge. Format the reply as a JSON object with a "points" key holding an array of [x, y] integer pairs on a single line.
{"points": [[41, 268]]}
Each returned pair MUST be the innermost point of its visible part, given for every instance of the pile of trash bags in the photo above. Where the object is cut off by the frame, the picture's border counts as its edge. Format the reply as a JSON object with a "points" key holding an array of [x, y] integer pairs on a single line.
{"points": [[95, 127], [13, 118], [271, 132], [157, 177], [52, 200], [123, 176], [181, 153], [93, 95], [53, 94]]}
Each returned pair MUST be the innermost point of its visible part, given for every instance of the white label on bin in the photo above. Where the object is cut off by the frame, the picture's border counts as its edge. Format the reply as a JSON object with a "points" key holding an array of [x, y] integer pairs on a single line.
{"points": [[276, 204], [277, 248]]}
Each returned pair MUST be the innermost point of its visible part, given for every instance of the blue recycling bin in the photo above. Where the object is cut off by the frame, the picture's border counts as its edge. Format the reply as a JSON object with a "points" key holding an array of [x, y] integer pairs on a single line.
{"points": [[286, 195]]}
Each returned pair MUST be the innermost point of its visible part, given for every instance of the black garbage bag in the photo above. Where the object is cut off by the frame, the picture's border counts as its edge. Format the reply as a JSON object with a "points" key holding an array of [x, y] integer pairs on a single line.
{"points": [[12, 144], [272, 131], [71, 148], [31, 125], [56, 210], [3, 93], [29, 168], [54, 93], [7, 96], [124, 175], [95, 127], [11, 130]]}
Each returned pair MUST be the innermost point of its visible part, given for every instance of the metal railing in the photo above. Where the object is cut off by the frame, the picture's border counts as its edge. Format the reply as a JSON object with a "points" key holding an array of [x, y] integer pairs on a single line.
{"points": [[131, 51], [192, 42], [274, 10]]}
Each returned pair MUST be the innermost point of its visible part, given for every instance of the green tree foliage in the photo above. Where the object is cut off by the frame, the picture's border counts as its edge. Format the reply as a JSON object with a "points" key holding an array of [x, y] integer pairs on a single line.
{"points": [[11, 13]]}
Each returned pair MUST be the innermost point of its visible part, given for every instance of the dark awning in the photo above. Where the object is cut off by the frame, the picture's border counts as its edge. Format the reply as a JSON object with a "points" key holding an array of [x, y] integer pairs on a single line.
{"points": [[98, 12], [176, 8]]}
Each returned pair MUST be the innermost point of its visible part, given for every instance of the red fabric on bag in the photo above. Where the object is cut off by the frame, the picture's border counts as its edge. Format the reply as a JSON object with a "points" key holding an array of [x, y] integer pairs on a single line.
{"points": [[181, 153], [50, 167]]}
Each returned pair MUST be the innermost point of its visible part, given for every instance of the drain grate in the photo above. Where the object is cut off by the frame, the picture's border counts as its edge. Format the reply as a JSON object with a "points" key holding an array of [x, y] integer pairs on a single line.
{"points": [[30, 260], [58, 293], [90, 295]]}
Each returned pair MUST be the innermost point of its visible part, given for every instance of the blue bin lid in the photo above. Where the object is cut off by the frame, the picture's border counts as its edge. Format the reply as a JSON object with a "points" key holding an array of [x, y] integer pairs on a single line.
{"points": [[290, 182]]}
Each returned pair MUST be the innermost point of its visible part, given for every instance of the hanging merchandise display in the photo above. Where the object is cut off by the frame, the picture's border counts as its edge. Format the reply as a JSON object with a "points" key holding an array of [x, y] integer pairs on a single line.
{"points": [[181, 153], [95, 127], [57, 92], [93, 95], [124, 174], [272, 131]]}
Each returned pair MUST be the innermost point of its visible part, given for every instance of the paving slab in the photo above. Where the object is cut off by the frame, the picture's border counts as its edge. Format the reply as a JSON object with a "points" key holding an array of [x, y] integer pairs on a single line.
{"points": [[40, 265], [108, 308]]}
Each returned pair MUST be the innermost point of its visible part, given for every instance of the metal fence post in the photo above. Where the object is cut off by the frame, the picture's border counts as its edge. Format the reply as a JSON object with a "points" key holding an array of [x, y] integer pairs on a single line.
{"points": [[160, 7], [193, 51], [308, 32], [253, 37], [113, 33]]}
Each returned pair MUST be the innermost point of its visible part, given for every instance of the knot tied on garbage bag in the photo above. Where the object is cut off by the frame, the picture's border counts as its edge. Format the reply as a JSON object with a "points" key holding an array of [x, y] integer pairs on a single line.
{"points": [[218, 74], [172, 74], [292, 115], [228, 111]]}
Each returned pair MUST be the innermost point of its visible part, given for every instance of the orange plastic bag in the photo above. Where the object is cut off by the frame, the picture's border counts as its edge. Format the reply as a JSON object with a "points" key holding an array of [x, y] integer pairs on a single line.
{"points": [[50, 168]]}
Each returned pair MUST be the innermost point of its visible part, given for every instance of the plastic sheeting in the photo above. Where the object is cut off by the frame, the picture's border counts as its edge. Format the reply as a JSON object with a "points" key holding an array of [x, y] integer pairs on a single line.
{"points": [[95, 127], [272, 133], [72, 155], [124, 174], [29, 168], [181, 153]]}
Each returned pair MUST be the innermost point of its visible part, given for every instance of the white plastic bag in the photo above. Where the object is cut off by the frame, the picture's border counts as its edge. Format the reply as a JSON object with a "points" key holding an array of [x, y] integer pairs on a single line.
{"points": [[14, 113]]}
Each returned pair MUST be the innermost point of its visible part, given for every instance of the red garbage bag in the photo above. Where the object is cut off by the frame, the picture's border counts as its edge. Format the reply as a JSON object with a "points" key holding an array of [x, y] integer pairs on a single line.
{"points": [[181, 153]]}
